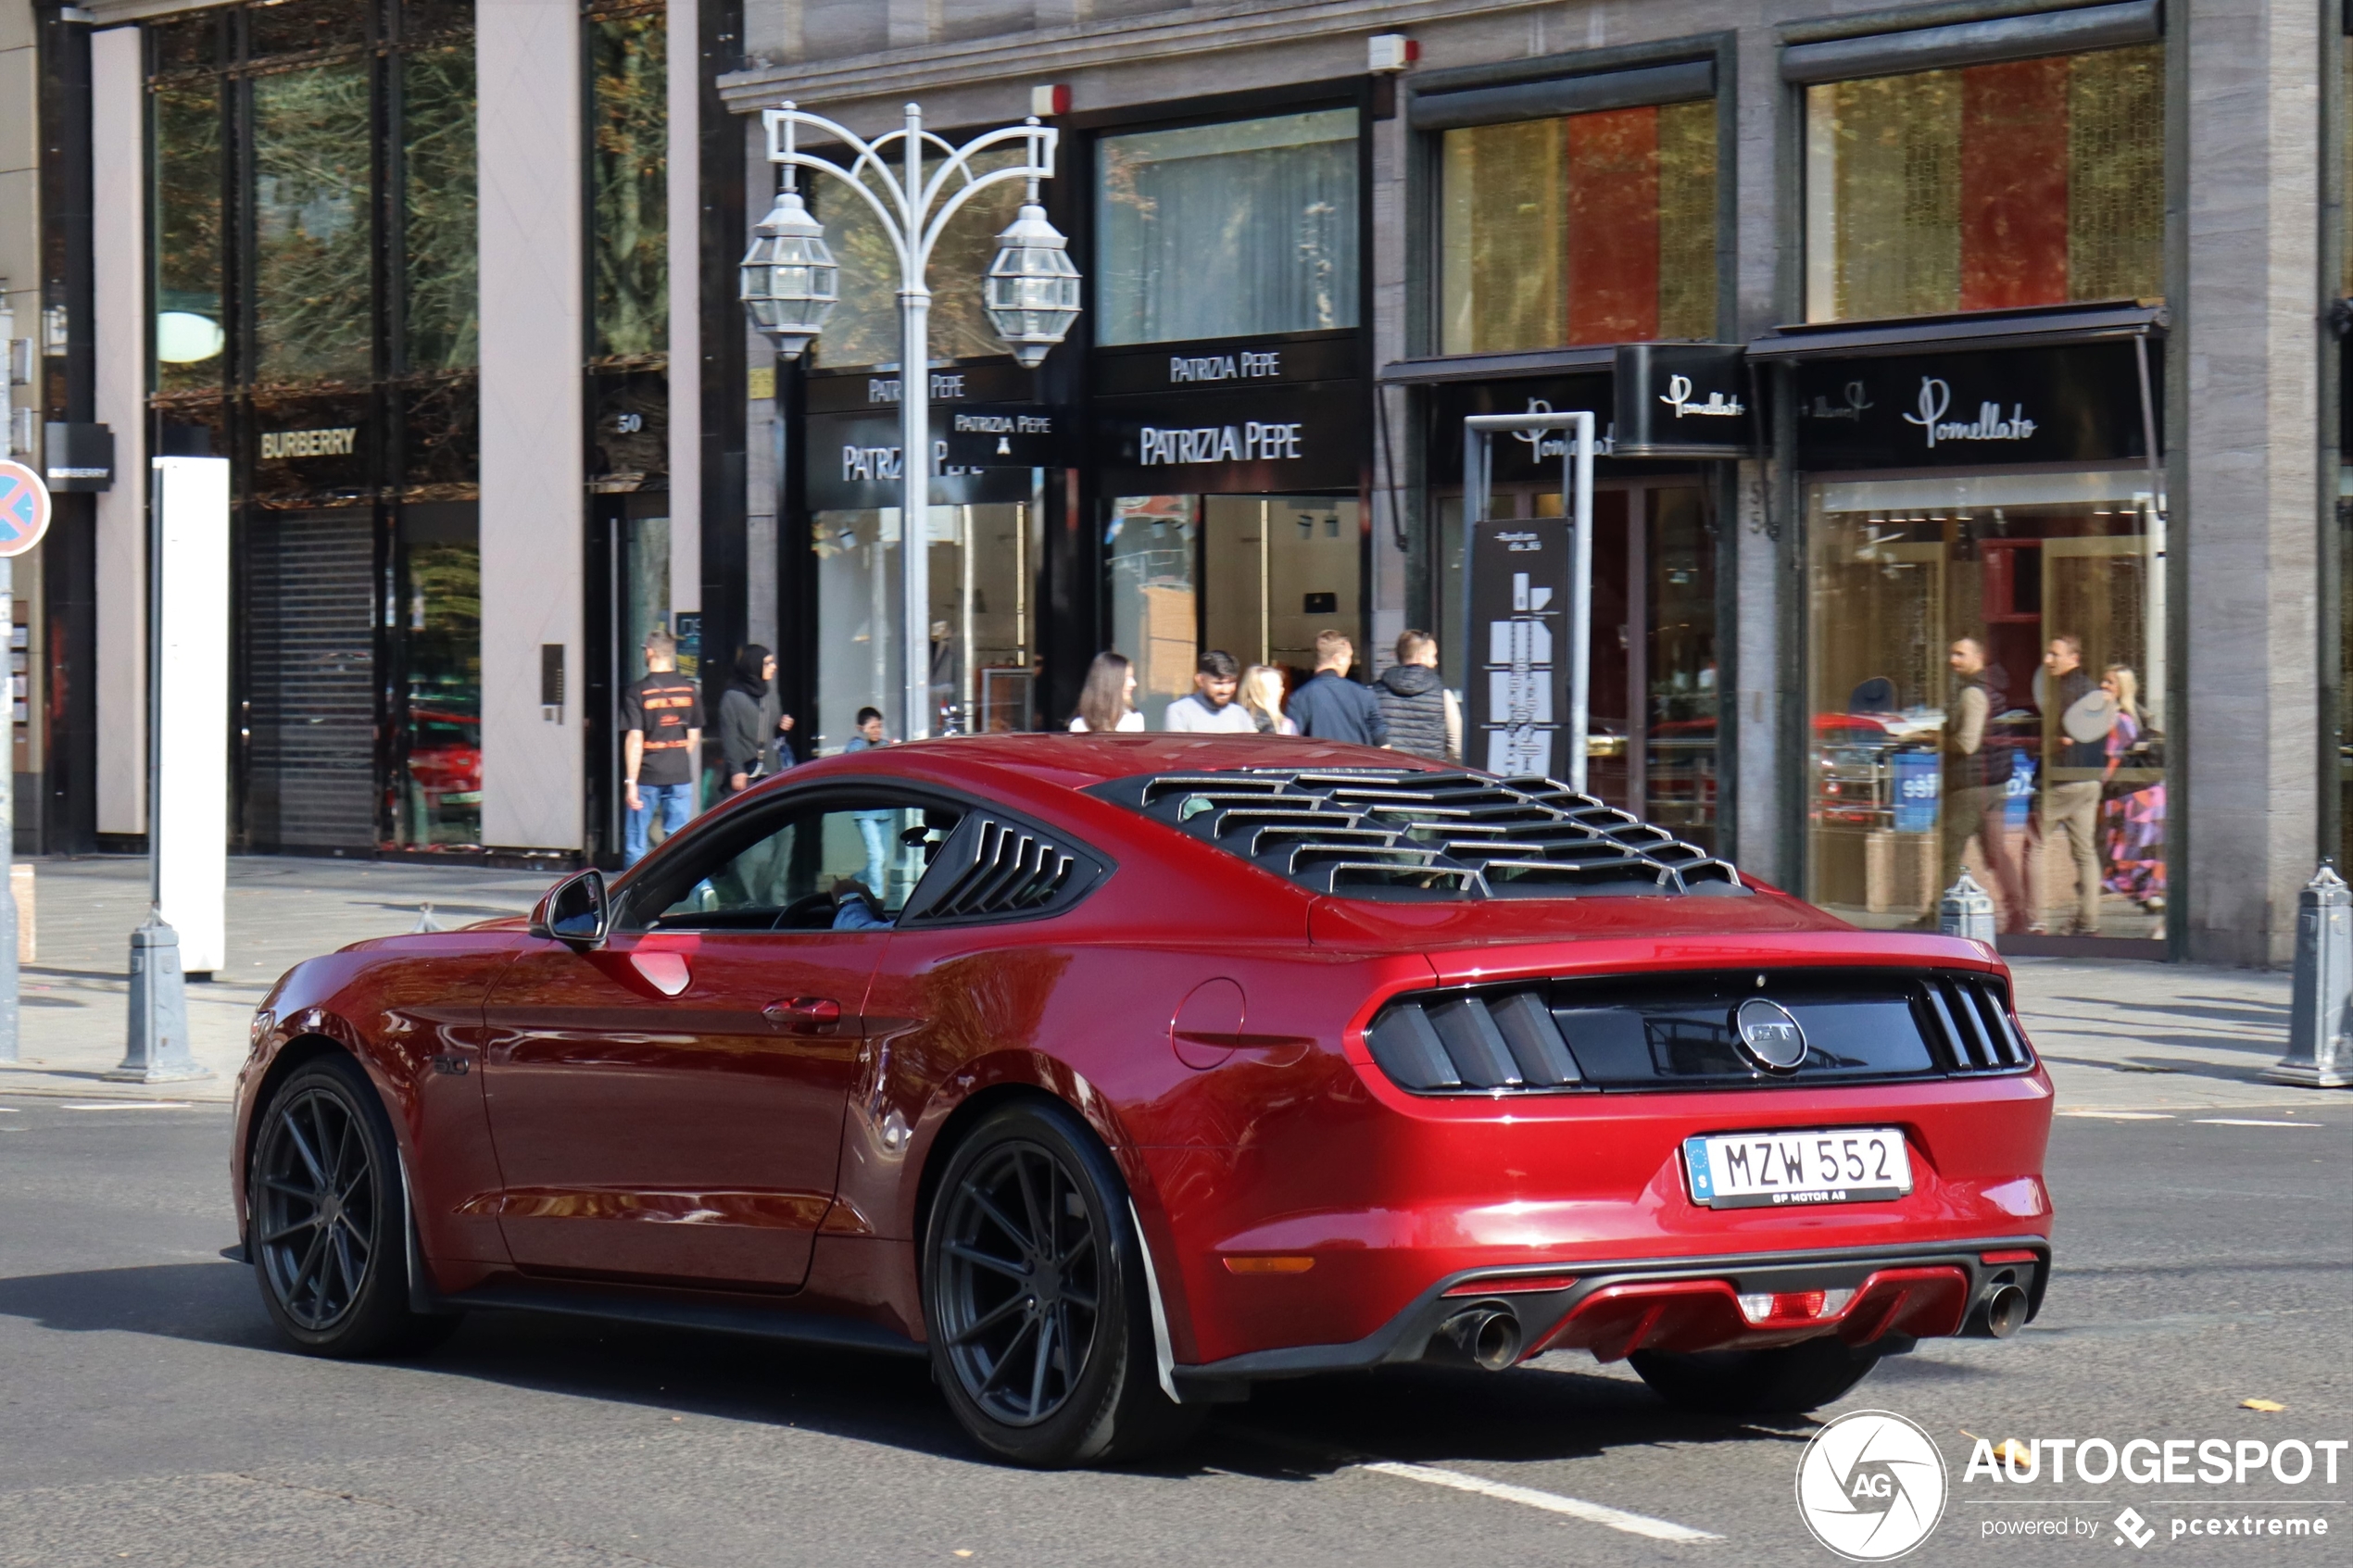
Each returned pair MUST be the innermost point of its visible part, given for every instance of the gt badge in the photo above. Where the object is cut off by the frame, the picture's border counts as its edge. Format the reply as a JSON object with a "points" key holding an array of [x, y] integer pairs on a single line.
{"points": [[1771, 1036]]}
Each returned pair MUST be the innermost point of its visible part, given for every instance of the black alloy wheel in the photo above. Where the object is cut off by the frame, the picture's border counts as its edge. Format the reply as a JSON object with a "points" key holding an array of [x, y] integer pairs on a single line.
{"points": [[1036, 1297], [1021, 1297], [328, 1220], [318, 1207]]}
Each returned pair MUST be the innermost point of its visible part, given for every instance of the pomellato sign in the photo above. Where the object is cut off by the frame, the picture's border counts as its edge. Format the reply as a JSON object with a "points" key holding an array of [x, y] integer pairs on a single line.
{"points": [[1680, 400], [2077, 403]]}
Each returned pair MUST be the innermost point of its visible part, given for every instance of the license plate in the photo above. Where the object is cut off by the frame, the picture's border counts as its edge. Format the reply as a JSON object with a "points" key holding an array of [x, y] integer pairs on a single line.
{"points": [[1772, 1170]]}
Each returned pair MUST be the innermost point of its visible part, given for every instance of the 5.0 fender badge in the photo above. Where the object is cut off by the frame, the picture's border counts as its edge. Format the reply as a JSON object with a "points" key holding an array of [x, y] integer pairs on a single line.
{"points": [[1770, 1034]]}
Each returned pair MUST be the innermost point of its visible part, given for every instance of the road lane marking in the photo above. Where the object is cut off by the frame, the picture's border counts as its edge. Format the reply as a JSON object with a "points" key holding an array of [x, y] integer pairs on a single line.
{"points": [[2123, 1115], [129, 1104], [1551, 1502], [2249, 1121]]}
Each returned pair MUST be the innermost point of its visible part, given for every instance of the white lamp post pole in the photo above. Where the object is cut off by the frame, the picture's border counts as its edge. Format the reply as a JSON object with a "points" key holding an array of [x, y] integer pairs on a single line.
{"points": [[790, 289]]}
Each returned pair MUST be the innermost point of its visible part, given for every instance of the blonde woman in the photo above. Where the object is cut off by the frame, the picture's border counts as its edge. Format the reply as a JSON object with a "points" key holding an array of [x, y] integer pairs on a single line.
{"points": [[1107, 700], [2133, 817], [1262, 695]]}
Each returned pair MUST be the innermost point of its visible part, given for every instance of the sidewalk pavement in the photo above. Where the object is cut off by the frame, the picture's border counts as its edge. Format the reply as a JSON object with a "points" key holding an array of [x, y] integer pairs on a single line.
{"points": [[2120, 1037]]}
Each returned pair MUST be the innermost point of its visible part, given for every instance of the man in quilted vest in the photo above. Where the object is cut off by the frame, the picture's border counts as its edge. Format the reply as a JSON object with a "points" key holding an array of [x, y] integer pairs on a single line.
{"points": [[1421, 715]]}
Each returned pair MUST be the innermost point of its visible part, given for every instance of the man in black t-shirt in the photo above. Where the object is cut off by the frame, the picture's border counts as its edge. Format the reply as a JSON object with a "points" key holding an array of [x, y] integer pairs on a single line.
{"points": [[662, 721]]}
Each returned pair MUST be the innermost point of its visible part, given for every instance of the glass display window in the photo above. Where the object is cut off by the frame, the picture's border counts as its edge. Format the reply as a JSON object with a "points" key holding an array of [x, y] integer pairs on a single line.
{"points": [[436, 635], [1987, 690], [984, 563], [1987, 187], [1230, 230], [1580, 229]]}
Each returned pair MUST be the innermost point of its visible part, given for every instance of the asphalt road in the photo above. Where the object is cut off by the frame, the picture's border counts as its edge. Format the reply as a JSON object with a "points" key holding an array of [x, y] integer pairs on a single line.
{"points": [[147, 1416]]}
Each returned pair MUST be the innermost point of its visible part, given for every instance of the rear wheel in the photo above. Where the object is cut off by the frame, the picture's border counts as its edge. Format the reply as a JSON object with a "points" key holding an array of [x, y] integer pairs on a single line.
{"points": [[1035, 1298], [328, 1226], [1787, 1380]]}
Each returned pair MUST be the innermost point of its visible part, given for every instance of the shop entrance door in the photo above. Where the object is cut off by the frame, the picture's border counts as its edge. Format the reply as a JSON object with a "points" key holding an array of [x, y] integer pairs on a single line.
{"points": [[309, 709], [1276, 570]]}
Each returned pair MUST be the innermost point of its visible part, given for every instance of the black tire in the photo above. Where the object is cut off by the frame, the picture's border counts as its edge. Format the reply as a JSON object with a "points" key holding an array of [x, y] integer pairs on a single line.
{"points": [[327, 1223], [1035, 1298], [1788, 1380]]}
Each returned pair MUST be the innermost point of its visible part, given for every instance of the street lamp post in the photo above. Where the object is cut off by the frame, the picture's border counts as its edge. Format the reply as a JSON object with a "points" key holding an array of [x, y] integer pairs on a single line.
{"points": [[790, 285]]}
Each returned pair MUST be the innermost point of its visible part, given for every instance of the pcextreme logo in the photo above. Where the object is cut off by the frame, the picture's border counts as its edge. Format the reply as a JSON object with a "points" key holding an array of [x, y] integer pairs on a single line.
{"points": [[1871, 1486]]}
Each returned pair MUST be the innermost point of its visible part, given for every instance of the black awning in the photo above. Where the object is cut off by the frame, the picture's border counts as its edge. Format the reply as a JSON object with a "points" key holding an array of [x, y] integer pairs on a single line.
{"points": [[1975, 329], [1498, 366]]}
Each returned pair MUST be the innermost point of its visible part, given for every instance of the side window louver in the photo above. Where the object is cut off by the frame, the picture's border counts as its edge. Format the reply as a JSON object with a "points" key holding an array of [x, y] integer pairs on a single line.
{"points": [[1972, 1024], [991, 869]]}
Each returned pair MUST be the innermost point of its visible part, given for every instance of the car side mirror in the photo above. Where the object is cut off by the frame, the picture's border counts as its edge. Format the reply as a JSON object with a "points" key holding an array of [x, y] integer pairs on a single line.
{"points": [[575, 910]]}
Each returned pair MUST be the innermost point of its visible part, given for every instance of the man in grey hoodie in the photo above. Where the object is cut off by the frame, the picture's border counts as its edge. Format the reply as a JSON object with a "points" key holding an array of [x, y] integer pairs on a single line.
{"points": [[1421, 715]]}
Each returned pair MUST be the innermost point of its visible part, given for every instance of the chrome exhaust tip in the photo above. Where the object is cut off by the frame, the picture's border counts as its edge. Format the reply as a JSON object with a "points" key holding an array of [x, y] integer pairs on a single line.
{"points": [[2001, 1314], [1487, 1336]]}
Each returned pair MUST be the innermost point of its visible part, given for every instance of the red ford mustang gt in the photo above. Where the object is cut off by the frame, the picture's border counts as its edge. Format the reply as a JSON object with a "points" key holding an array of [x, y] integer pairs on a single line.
{"points": [[1115, 1073]]}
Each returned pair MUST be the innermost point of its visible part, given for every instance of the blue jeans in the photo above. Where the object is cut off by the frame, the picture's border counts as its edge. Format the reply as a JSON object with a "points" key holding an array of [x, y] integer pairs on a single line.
{"points": [[677, 802], [875, 828]]}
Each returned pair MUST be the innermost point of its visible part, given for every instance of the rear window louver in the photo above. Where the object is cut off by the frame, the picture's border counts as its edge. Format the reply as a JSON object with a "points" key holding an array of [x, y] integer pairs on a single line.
{"points": [[1677, 1031], [1395, 833], [989, 869], [1971, 1020]]}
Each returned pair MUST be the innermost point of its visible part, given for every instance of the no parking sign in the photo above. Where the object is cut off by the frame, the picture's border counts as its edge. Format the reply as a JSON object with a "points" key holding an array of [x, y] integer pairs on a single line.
{"points": [[24, 509]]}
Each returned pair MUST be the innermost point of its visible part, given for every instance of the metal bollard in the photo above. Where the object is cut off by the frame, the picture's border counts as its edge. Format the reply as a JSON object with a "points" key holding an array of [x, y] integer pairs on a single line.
{"points": [[1966, 910], [159, 1050], [2319, 1055]]}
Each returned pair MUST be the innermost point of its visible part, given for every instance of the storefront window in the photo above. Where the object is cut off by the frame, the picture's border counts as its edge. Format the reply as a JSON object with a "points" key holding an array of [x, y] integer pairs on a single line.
{"points": [[1582, 228], [1256, 576], [438, 228], [1988, 690], [437, 788], [314, 308], [983, 565], [628, 180], [1988, 187], [1228, 231], [190, 332]]}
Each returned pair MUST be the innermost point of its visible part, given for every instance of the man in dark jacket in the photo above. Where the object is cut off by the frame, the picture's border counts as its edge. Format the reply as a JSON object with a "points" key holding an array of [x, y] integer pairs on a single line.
{"points": [[1419, 710], [1332, 706]]}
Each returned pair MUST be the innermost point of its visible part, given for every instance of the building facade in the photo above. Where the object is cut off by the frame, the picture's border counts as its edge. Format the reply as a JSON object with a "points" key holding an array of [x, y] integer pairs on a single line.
{"points": [[2011, 540], [1976, 495]]}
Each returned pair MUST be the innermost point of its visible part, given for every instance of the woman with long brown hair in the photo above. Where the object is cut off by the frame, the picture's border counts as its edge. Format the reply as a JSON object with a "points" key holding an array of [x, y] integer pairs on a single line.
{"points": [[1107, 701]]}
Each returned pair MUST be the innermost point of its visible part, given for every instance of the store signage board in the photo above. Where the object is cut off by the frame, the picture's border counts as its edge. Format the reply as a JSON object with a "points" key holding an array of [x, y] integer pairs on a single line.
{"points": [[1526, 456], [2080, 403], [1682, 400], [1265, 439], [1002, 435], [1215, 364], [852, 462], [24, 509], [842, 392]]}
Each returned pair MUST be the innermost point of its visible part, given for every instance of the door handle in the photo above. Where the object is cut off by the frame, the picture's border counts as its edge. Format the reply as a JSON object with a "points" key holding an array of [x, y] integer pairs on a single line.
{"points": [[804, 1014]]}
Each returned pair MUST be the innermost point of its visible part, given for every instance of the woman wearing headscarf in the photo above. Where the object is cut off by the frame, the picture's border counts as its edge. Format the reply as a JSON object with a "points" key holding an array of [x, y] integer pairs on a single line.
{"points": [[751, 717]]}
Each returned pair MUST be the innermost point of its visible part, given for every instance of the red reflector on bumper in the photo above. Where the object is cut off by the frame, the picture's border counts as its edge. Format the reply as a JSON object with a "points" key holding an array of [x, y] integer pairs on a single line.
{"points": [[2018, 1256]]}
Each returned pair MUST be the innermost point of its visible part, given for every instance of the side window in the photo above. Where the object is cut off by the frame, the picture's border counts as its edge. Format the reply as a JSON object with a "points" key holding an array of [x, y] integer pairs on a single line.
{"points": [[792, 872]]}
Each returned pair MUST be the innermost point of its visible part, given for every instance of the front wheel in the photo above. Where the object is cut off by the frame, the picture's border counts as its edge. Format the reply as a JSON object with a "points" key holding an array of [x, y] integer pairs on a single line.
{"points": [[328, 1226], [1035, 1298], [1788, 1380]]}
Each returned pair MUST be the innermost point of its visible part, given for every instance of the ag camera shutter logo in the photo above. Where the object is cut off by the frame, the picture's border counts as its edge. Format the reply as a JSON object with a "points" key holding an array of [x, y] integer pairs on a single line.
{"points": [[1871, 1486]]}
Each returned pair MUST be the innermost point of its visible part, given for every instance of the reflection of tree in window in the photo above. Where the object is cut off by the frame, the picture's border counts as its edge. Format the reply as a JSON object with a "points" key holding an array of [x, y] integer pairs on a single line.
{"points": [[629, 165], [187, 165], [437, 126], [313, 306]]}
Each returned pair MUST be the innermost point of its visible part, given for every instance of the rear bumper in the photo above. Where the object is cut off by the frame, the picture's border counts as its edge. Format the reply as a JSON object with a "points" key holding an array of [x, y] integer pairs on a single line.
{"points": [[1615, 1308]]}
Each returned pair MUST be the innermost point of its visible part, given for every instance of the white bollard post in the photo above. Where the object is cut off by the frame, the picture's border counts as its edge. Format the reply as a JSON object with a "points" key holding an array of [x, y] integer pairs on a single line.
{"points": [[2319, 1055], [1966, 910]]}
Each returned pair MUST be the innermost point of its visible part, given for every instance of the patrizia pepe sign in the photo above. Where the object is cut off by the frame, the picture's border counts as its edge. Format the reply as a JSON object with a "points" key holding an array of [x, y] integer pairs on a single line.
{"points": [[2080, 403]]}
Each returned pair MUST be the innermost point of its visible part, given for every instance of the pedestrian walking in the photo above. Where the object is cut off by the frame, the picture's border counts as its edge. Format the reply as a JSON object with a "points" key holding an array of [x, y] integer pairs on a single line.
{"points": [[874, 827], [1107, 700], [2133, 811], [1421, 715], [1262, 695], [1332, 706], [1211, 710], [662, 724], [751, 719], [1977, 780], [2079, 717]]}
